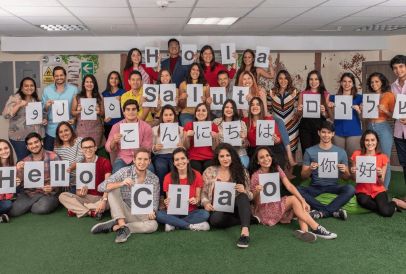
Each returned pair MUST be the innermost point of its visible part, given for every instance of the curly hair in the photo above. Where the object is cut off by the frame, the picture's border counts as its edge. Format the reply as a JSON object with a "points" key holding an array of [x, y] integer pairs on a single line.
{"points": [[385, 82], [254, 165]]}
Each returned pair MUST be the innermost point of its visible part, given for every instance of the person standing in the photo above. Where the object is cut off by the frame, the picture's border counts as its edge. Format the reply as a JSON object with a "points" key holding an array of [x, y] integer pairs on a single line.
{"points": [[174, 63]]}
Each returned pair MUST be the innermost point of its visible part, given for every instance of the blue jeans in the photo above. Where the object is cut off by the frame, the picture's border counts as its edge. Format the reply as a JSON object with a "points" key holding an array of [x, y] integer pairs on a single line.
{"points": [[163, 164], [183, 222], [401, 149], [245, 160], [5, 206], [282, 129], [49, 142], [385, 134], [118, 164], [20, 148], [344, 194], [184, 118]]}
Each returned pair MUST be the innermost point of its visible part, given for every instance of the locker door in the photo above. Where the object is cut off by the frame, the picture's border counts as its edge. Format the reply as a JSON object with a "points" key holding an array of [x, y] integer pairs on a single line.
{"points": [[6, 82]]}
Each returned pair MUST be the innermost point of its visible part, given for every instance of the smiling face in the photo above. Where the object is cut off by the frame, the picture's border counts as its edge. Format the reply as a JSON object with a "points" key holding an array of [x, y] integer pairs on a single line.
{"points": [[28, 87], [89, 85], [248, 59], [325, 136], [64, 133], [314, 81], [89, 149], [34, 145], [180, 161], [141, 161], [228, 110], [207, 56], [168, 116], [255, 107], [165, 77], [201, 113], [264, 159], [283, 81], [59, 77], [195, 72], [130, 113], [173, 49], [247, 80], [224, 158], [136, 57], [4, 151], [399, 70], [135, 82], [376, 84], [347, 84], [371, 143], [114, 80], [223, 80]]}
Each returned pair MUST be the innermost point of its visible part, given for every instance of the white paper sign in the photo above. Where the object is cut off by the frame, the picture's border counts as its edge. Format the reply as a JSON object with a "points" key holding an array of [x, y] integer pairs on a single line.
{"points": [[112, 107], [151, 57], [262, 57], [218, 95], [34, 174], [86, 175], [33, 113], [194, 94], [343, 107], [88, 111], [188, 54], [167, 93], [311, 105], [240, 97], [130, 136], [169, 134], [202, 136], [227, 51], [264, 132], [224, 196], [328, 162], [142, 199], [60, 111], [366, 169], [270, 183], [232, 133], [370, 102], [150, 93], [400, 107], [8, 180], [59, 173], [178, 199]]}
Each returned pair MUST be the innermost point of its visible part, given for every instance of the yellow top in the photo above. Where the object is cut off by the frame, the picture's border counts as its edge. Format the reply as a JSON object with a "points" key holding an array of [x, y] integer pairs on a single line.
{"points": [[130, 95]]}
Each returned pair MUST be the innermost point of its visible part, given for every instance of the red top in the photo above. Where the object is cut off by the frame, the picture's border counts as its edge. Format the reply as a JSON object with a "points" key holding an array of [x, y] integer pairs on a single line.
{"points": [[371, 189], [211, 76], [197, 183], [172, 63], [103, 166], [199, 153], [153, 76], [252, 131]]}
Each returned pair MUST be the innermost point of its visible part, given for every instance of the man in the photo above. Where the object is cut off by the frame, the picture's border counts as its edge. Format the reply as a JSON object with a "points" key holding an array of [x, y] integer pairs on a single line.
{"points": [[174, 63], [60, 90], [398, 65], [118, 186], [223, 80], [125, 156], [89, 202], [136, 93], [39, 200], [326, 185]]}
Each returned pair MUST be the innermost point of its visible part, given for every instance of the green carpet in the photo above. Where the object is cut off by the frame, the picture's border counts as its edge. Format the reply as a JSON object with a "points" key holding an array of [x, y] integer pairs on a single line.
{"points": [[58, 244]]}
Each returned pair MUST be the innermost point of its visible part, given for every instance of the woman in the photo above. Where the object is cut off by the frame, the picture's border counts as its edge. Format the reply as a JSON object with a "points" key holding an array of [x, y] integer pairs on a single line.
{"points": [[257, 112], [309, 127], [114, 88], [164, 77], [162, 159], [247, 64], [289, 206], [15, 112], [378, 83], [67, 146], [200, 157], [89, 128], [374, 196], [6, 160], [211, 68], [248, 80], [229, 114], [133, 62], [227, 167], [195, 76], [183, 174], [348, 132]]}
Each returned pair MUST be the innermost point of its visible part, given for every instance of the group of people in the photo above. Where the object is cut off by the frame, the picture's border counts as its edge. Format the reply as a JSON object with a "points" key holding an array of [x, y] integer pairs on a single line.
{"points": [[201, 167]]}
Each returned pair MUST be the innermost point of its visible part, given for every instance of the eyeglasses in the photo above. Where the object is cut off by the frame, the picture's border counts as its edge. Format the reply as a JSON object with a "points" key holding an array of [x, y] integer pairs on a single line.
{"points": [[87, 148]]}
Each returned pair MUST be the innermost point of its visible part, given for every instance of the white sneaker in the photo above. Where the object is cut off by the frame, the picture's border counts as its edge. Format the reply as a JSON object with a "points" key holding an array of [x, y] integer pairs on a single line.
{"points": [[169, 228], [204, 226]]}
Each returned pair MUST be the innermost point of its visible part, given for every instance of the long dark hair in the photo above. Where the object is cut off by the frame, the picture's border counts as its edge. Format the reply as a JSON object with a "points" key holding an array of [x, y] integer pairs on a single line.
{"points": [[364, 136], [212, 62], [354, 90], [160, 74], [254, 165], [200, 80], [95, 91], [277, 88], [236, 168], [253, 68], [236, 116], [208, 118], [161, 117], [10, 160], [58, 141], [120, 83], [321, 88], [175, 173], [128, 62], [261, 114], [20, 89], [385, 82]]}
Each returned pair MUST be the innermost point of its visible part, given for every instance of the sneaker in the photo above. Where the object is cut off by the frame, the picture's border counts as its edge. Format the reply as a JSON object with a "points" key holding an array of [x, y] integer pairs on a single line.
{"points": [[71, 213], [340, 214], [307, 237], [104, 227], [204, 226], [4, 218], [122, 234], [243, 241], [169, 228], [315, 214], [255, 220], [321, 232]]}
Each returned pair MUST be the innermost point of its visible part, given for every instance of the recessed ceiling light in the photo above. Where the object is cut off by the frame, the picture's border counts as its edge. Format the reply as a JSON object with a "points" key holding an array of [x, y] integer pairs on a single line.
{"points": [[213, 21], [227, 21], [63, 27]]}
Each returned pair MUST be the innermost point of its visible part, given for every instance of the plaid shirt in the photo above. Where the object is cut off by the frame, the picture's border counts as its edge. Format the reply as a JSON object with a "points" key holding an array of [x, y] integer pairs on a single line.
{"points": [[129, 172]]}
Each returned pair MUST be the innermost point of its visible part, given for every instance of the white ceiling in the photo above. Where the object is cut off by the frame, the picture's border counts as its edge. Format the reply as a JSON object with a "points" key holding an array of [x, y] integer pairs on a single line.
{"points": [[257, 17]]}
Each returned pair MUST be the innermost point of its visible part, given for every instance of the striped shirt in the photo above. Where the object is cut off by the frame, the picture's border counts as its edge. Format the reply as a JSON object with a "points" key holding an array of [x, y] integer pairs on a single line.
{"points": [[73, 154]]}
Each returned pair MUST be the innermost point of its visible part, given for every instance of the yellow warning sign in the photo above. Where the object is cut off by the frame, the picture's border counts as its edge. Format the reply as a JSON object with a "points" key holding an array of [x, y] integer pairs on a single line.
{"points": [[47, 77]]}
